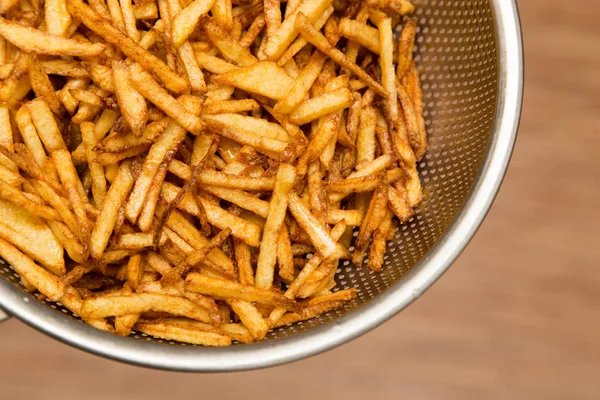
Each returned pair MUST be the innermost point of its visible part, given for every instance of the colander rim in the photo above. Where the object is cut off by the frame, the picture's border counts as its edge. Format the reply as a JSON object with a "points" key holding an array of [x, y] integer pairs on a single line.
{"points": [[355, 323]]}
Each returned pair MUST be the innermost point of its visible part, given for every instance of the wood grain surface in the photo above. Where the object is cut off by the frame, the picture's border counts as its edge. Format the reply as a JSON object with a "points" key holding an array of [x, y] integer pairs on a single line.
{"points": [[517, 317]]}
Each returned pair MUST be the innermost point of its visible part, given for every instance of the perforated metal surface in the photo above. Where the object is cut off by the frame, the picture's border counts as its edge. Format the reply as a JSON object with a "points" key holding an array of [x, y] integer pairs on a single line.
{"points": [[457, 56]]}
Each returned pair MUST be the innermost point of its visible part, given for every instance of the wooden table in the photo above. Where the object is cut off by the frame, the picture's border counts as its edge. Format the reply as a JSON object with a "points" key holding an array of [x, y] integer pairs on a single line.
{"points": [[517, 317]]}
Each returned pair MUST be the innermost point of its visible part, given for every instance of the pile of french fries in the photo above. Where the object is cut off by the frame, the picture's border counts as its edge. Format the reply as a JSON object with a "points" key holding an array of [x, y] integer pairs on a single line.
{"points": [[205, 164]]}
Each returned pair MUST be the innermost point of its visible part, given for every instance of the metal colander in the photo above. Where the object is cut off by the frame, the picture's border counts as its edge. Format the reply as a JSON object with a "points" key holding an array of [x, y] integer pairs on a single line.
{"points": [[469, 53]]}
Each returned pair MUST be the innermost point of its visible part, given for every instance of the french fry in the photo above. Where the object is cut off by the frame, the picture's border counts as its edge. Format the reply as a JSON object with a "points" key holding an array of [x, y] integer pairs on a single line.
{"points": [[413, 83], [285, 256], [47, 283], [186, 20], [230, 107], [244, 263], [137, 240], [366, 138], [319, 141], [132, 103], [223, 13], [317, 107], [360, 33], [378, 245], [129, 20], [250, 126], [269, 146], [107, 219], [112, 35], [355, 185], [352, 217], [107, 159], [267, 256], [70, 180], [253, 31], [6, 134], [213, 64], [57, 17], [318, 234], [96, 170], [116, 14], [30, 235], [250, 78], [145, 11], [240, 198], [250, 317], [17, 197], [183, 334], [373, 217], [35, 41], [222, 289], [42, 86], [137, 303], [308, 312], [135, 271], [45, 124], [406, 46]]}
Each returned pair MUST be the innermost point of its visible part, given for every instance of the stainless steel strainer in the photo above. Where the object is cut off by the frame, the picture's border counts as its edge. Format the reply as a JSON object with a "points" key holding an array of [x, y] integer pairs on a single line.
{"points": [[470, 56]]}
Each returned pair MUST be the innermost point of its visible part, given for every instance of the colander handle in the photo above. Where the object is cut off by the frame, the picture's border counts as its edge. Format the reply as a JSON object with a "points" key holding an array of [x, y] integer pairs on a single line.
{"points": [[3, 316]]}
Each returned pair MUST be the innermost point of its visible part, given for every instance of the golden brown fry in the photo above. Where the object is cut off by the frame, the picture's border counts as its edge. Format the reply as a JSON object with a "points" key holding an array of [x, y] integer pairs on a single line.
{"points": [[183, 333], [251, 79], [145, 11], [47, 283], [360, 33], [96, 170], [285, 256], [267, 255], [244, 263], [378, 245], [318, 107], [101, 307], [35, 41], [42, 86], [131, 102], [185, 21], [319, 235], [250, 317], [108, 215], [30, 235], [253, 31], [223, 14], [135, 270], [406, 46], [222, 289]]}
